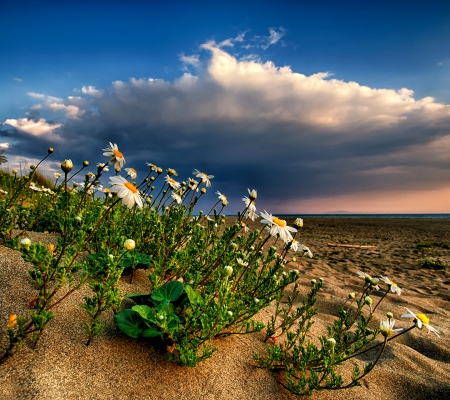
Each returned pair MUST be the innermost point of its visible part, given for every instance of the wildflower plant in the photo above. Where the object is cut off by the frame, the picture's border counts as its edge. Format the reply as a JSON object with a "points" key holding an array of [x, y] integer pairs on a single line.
{"points": [[206, 278]]}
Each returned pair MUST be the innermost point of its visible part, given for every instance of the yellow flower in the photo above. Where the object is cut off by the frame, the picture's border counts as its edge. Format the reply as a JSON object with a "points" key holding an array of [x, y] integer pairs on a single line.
{"points": [[12, 321]]}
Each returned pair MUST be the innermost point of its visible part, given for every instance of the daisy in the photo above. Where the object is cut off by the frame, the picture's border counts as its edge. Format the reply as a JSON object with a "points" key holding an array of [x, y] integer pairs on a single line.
{"points": [[57, 175], [306, 251], [192, 183], [222, 197], [387, 328], [116, 156], [131, 172], [103, 167], [152, 167], [127, 191], [205, 178], [245, 227], [367, 278], [392, 285], [277, 226], [421, 320], [172, 183], [171, 171], [253, 194], [177, 198]]}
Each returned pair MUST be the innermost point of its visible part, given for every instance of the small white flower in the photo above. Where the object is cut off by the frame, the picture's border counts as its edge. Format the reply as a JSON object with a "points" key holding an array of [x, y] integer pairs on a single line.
{"points": [[253, 194], [392, 285], [420, 321], [173, 184], [103, 167], [127, 192], [177, 198], [115, 155], [204, 177], [57, 175], [387, 328], [131, 172], [369, 279], [228, 270], [306, 251], [152, 167], [277, 226], [221, 196]]}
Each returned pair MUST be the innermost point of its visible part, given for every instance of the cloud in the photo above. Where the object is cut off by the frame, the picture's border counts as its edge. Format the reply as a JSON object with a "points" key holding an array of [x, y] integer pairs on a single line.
{"points": [[36, 128], [292, 136], [18, 79], [274, 37]]}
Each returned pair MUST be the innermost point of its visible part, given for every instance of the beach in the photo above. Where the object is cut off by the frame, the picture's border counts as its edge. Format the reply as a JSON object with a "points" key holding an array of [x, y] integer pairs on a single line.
{"points": [[416, 366]]}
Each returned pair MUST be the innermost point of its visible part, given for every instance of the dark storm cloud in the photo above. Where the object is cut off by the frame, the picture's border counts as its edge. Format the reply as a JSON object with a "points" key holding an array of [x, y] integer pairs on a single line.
{"points": [[254, 125]]}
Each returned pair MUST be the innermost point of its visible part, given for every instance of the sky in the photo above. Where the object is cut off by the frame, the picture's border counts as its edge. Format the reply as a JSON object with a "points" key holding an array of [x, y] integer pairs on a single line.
{"points": [[320, 106]]}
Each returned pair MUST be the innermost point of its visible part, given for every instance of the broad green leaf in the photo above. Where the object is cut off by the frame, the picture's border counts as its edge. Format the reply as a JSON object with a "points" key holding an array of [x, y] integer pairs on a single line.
{"points": [[129, 322], [170, 291], [140, 299], [144, 311], [152, 332], [194, 297]]}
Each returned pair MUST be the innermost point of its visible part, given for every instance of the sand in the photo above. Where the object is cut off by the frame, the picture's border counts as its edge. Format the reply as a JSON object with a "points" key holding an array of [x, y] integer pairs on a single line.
{"points": [[417, 366]]}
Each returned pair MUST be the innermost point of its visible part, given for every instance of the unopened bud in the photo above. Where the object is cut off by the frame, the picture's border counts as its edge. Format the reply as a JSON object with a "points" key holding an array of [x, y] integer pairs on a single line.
{"points": [[228, 270], [129, 244], [368, 300], [50, 150], [25, 243], [67, 166]]}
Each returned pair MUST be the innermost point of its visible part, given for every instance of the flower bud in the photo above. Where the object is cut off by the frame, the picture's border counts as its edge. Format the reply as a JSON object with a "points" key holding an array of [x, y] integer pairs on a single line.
{"points": [[129, 244], [67, 166], [313, 281], [203, 191], [159, 171], [32, 167], [152, 178], [351, 295], [368, 300], [374, 281], [14, 171], [331, 342], [78, 218], [85, 163], [228, 270], [389, 315], [230, 313], [256, 300], [50, 150], [25, 243], [298, 223]]}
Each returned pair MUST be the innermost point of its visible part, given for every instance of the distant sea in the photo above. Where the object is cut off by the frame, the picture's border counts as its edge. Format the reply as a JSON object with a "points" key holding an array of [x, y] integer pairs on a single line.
{"points": [[350, 215]]}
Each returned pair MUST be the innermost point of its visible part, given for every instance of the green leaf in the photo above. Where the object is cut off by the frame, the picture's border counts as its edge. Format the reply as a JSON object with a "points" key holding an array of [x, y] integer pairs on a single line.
{"points": [[144, 311], [194, 297], [140, 299], [170, 291], [152, 332], [129, 322]]}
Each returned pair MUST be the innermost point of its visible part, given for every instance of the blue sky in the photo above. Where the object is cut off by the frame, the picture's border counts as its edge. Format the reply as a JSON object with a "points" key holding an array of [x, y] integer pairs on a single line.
{"points": [[320, 106]]}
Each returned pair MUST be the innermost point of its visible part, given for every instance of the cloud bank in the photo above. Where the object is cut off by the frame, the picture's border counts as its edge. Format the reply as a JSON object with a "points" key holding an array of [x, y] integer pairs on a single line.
{"points": [[253, 124]]}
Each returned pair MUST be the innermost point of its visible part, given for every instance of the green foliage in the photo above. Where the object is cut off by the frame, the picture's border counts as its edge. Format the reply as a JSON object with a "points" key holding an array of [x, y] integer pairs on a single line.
{"points": [[430, 245], [430, 263]]}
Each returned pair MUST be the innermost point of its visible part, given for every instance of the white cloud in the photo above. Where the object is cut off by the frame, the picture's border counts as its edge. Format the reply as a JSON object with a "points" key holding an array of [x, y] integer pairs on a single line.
{"points": [[91, 91], [35, 128], [273, 38], [190, 60], [18, 79]]}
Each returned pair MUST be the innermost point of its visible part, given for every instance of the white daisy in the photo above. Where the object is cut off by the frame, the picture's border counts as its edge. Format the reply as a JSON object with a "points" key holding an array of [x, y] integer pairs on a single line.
{"points": [[177, 197], [115, 155], [305, 250], [387, 328], [172, 183], [127, 192], [392, 285], [222, 197], [367, 278], [57, 175], [152, 167], [253, 194], [277, 226], [103, 167], [421, 320], [131, 172], [205, 178], [171, 171]]}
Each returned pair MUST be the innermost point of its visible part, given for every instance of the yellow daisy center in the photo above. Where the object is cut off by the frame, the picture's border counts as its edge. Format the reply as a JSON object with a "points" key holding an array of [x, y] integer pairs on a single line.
{"points": [[423, 318], [133, 170], [279, 222], [131, 187], [117, 153]]}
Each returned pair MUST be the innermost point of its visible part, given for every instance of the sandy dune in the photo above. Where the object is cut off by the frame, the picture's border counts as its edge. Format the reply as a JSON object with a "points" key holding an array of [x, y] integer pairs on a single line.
{"points": [[417, 366]]}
